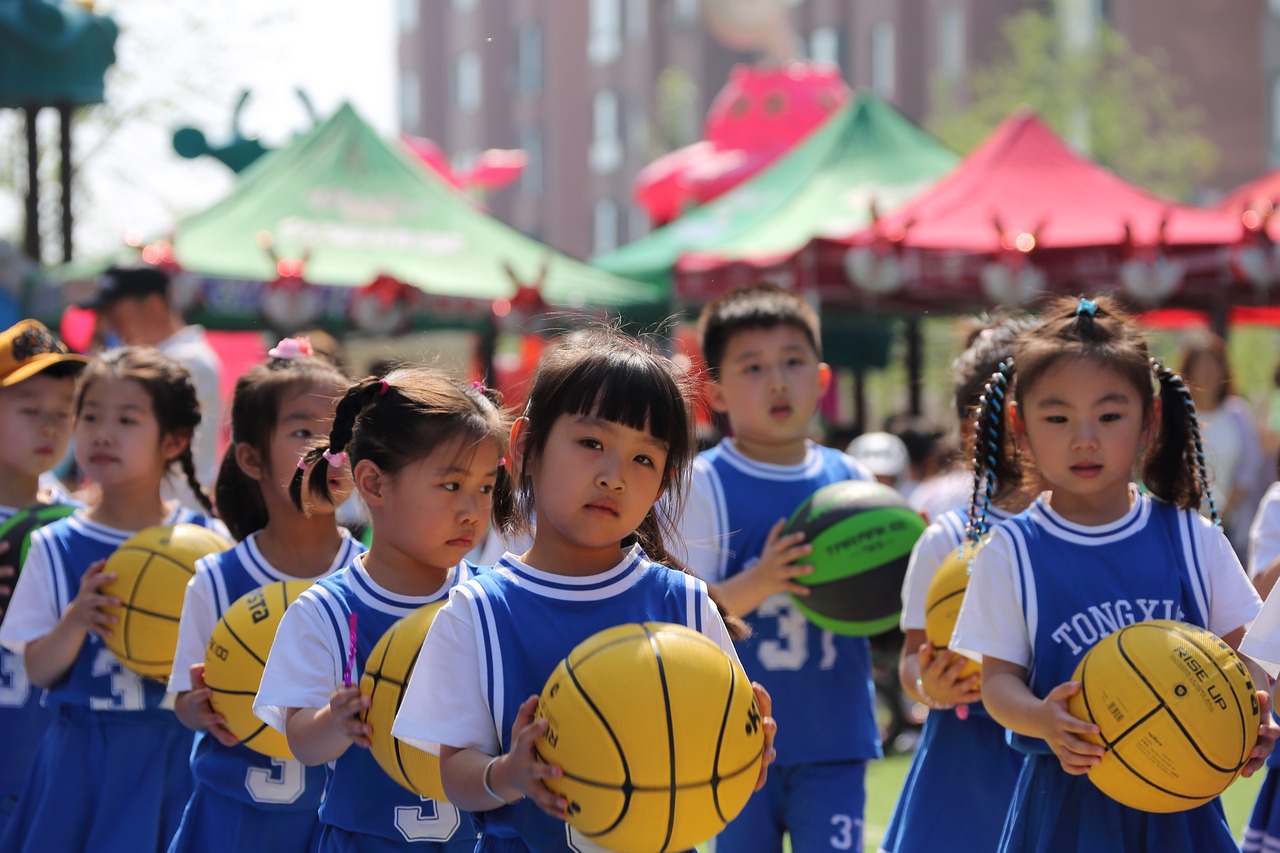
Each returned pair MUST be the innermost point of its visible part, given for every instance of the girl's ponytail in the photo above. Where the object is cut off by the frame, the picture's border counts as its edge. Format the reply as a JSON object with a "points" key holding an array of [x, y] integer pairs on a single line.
{"points": [[188, 463], [1174, 468], [333, 453]]}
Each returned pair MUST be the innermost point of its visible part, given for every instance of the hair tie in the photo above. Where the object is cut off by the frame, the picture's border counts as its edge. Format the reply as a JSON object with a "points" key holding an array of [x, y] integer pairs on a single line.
{"points": [[502, 462], [479, 386], [382, 387], [291, 348], [335, 460], [302, 464], [1087, 307]]}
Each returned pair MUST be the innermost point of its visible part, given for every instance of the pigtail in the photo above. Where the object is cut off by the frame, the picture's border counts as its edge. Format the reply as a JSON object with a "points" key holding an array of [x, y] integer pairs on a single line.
{"points": [[503, 486], [992, 465], [1174, 468], [238, 498], [189, 471], [315, 463]]}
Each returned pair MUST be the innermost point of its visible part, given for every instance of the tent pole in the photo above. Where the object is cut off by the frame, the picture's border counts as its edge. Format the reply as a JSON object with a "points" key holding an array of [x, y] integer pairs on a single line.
{"points": [[859, 401], [31, 235], [64, 174], [1219, 316], [915, 362]]}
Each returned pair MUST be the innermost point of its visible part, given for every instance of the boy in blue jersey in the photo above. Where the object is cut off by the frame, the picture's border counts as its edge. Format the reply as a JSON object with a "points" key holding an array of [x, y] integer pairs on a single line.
{"points": [[763, 351], [37, 388]]}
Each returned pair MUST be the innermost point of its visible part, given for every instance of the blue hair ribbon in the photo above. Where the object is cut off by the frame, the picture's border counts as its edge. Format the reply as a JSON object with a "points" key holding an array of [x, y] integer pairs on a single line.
{"points": [[1086, 306]]}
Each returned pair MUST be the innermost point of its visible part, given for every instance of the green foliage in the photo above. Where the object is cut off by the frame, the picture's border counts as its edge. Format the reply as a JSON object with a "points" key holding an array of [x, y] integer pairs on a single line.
{"points": [[1127, 108]]}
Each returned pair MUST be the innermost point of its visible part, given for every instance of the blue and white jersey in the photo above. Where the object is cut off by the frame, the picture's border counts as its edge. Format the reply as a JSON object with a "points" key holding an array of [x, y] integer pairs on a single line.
{"points": [[820, 682], [502, 635], [59, 555], [304, 668], [1045, 590], [22, 719], [266, 783]]}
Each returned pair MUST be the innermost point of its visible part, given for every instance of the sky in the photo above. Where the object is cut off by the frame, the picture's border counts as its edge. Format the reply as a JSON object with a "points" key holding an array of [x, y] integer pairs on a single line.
{"points": [[185, 64]]}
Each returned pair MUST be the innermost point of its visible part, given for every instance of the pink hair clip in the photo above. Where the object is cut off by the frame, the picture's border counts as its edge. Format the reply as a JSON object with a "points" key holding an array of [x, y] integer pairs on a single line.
{"points": [[382, 387], [335, 460], [291, 348], [502, 462], [302, 464], [479, 386]]}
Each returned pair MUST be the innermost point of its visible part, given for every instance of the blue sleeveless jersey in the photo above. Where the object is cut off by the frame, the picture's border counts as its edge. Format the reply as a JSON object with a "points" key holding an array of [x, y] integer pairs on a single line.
{"points": [[820, 682], [268, 784], [517, 661], [360, 797], [1077, 587], [1147, 568], [97, 680]]}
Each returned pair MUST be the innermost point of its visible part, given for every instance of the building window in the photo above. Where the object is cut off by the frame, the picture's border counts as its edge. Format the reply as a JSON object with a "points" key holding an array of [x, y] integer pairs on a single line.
{"points": [[604, 39], [637, 131], [464, 5], [531, 179], [467, 82], [637, 19], [951, 40], [637, 222], [604, 226], [529, 59], [685, 12], [410, 102], [883, 60], [1078, 21], [827, 46], [408, 15], [606, 144]]}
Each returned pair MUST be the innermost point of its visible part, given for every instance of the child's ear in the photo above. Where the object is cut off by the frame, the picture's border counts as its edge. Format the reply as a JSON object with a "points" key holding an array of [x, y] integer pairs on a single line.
{"points": [[173, 443], [516, 447], [715, 396], [248, 460], [1016, 424], [369, 479], [824, 378], [1152, 427]]}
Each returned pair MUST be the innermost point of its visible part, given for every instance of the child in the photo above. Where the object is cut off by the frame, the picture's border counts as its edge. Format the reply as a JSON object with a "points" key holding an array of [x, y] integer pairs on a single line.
{"points": [[606, 432], [764, 362], [962, 771], [425, 455], [1084, 412], [37, 389], [111, 773], [245, 800]]}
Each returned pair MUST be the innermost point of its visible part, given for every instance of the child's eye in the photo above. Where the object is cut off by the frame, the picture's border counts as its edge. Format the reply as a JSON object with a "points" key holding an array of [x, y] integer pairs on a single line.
{"points": [[751, 368], [1056, 419], [645, 460], [591, 443], [795, 362], [301, 433], [450, 487], [31, 413], [1110, 417], [486, 489]]}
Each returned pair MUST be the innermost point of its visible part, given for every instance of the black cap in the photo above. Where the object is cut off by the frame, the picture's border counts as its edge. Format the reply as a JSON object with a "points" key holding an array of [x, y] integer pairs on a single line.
{"points": [[128, 283]]}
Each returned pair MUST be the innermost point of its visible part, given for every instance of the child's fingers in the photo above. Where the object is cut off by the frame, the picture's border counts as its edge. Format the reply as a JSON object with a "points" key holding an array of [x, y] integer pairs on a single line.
{"points": [[196, 673], [776, 531], [796, 588], [221, 734]]}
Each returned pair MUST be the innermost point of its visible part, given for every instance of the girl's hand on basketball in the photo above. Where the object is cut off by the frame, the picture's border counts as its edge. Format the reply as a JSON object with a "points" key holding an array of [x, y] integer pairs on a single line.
{"points": [[1062, 731], [1268, 731], [6, 579], [770, 728], [85, 610], [194, 711], [519, 773], [776, 571], [941, 681], [345, 706]]}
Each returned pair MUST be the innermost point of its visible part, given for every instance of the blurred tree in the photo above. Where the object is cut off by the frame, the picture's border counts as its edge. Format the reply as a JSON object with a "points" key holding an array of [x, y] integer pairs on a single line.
{"points": [[1122, 108], [675, 112]]}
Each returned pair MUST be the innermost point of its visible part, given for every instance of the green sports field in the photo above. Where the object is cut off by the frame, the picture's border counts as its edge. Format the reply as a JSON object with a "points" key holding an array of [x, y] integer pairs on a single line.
{"points": [[884, 780]]}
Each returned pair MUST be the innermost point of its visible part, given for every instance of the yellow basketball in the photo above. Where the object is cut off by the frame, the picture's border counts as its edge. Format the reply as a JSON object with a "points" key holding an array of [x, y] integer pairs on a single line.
{"points": [[386, 673], [658, 733], [1178, 713], [237, 654], [152, 568], [946, 594]]}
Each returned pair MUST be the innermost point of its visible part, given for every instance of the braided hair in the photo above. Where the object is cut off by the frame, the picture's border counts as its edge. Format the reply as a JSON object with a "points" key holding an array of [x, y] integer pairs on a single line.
{"points": [[1173, 468], [173, 398]]}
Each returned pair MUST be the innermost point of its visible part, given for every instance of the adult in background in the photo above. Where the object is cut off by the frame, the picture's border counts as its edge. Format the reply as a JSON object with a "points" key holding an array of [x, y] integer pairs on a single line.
{"points": [[1238, 472], [135, 304]]}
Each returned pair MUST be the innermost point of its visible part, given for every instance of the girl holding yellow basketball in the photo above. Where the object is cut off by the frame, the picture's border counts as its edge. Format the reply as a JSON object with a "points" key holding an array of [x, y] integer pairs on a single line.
{"points": [[606, 434], [423, 451], [111, 773], [1090, 555], [243, 799]]}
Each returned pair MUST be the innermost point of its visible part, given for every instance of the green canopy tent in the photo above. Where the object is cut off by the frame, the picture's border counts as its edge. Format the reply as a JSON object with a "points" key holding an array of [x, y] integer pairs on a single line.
{"points": [[866, 159], [340, 228]]}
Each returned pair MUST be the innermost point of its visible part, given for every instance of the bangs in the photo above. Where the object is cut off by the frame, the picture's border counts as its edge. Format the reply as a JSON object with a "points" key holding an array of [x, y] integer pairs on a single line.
{"points": [[626, 390]]}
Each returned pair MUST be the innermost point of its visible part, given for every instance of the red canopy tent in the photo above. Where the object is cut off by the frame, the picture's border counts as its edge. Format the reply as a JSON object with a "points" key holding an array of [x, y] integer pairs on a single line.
{"points": [[1025, 214]]}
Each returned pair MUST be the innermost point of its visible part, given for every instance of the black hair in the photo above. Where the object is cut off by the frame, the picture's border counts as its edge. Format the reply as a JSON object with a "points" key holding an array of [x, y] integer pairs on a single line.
{"points": [[401, 418], [609, 375], [756, 306], [1173, 468], [255, 410], [173, 398]]}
